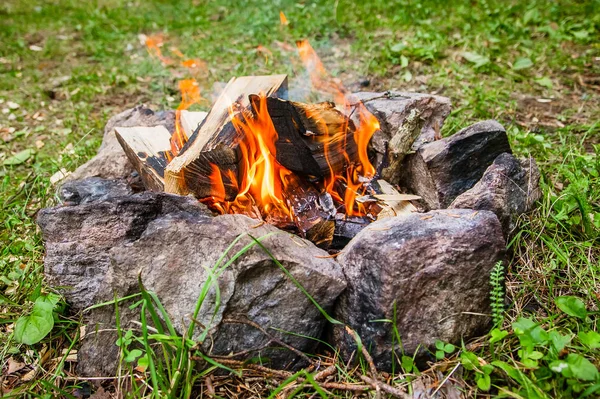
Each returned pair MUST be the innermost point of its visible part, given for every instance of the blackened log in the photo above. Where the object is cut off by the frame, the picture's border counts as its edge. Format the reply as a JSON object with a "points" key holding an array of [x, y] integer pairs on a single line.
{"points": [[313, 139], [312, 221]]}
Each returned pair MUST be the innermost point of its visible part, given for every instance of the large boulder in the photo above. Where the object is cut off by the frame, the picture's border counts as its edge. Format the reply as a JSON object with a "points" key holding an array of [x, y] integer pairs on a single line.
{"points": [[97, 249], [509, 188], [426, 273], [175, 254], [78, 236], [111, 162], [442, 170]]}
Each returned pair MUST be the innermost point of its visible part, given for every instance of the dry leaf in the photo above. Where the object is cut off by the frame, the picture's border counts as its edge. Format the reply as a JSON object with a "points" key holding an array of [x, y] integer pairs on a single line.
{"points": [[14, 366]]}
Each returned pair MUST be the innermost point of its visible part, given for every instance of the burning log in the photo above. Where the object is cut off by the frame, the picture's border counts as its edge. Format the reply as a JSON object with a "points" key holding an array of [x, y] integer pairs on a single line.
{"points": [[147, 147], [313, 139], [215, 141]]}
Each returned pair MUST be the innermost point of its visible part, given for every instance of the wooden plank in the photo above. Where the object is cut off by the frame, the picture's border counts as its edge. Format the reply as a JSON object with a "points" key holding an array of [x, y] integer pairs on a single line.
{"points": [[191, 120]]}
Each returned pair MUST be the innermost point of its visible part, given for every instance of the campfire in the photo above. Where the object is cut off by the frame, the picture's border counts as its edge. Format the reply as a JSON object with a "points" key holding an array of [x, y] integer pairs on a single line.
{"points": [[305, 168]]}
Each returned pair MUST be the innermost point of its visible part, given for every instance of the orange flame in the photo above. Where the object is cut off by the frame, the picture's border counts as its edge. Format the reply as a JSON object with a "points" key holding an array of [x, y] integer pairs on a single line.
{"points": [[190, 94], [283, 19], [368, 124], [189, 88], [153, 45], [262, 178]]}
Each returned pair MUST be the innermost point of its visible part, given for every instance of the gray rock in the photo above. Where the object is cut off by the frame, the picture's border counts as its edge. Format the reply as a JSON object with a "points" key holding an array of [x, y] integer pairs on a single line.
{"points": [[407, 120], [97, 249], [174, 254], [428, 273], [394, 107], [508, 188], [442, 170], [111, 162], [77, 238], [76, 192]]}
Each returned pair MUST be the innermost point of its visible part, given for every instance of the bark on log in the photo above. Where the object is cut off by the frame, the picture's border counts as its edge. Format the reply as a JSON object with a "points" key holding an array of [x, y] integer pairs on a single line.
{"points": [[313, 138]]}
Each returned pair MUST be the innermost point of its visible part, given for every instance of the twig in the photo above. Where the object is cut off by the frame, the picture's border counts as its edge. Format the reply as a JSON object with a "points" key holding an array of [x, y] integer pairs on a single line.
{"points": [[395, 392], [445, 379], [321, 375], [209, 386], [271, 338], [369, 360]]}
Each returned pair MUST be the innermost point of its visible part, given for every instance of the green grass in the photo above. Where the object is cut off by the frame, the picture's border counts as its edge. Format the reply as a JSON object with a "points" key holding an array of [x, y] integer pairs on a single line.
{"points": [[495, 59]]}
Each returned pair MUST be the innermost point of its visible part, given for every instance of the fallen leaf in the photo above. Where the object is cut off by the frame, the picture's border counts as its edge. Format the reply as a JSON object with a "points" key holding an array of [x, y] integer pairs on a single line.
{"points": [[14, 366], [18, 158], [39, 144], [477, 59], [12, 105], [58, 176], [522, 63], [35, 48]]}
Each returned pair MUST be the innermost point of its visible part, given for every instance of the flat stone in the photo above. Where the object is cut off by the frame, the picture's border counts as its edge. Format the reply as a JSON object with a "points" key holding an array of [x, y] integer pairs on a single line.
{"points": [[92, 189], [111, 162], [442, 170], [509, 188], [427, 273]]}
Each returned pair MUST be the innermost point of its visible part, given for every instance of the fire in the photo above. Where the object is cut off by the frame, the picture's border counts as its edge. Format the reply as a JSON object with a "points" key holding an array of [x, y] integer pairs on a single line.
{"points": [[262, 178], [261, 181], [189, 88], [357, 172]]}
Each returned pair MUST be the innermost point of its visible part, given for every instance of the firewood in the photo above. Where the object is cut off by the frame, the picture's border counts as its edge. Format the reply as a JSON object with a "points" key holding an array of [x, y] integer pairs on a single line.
{"points": [[215, 141], [314, 139], [190, 121], [346, 227], [145, 148]]}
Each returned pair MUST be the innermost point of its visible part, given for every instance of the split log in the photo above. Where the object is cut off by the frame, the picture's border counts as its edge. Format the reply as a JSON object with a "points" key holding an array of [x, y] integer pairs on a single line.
{"points": [[313, 139], [190, 121], [147, 148], [214, 142]]}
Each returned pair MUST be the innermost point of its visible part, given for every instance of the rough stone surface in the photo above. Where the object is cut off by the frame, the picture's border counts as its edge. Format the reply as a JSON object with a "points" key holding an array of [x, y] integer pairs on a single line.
{"points": [[432, 268], [97, 249], [508, 188], [393, 108], [92, 189], [442, 170], [78, 238], [174, 253], [111, 162]]}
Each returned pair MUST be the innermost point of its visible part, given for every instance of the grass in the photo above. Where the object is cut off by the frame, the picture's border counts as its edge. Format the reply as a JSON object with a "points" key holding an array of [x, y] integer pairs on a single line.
{"points": [[534, 66]]}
